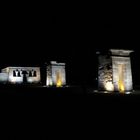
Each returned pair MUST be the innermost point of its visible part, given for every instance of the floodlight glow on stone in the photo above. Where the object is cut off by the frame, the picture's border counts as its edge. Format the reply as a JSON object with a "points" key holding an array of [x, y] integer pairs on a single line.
{"points": [[56, 74], [114, 71], [109, 86]]}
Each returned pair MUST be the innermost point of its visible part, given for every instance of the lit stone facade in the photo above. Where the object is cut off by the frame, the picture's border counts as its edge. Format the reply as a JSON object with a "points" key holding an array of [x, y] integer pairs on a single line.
{"points": [[114, 71], [56, 74], [20, 75]]}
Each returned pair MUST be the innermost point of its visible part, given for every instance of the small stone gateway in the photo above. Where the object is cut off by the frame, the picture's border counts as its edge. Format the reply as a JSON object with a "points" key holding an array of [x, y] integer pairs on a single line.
{"points": [[56, 74]]}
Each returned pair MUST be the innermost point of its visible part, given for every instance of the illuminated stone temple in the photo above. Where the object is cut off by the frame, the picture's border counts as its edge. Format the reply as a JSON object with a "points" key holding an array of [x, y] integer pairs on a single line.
{"points": [[56, 74], [20, 75], [114, 71]]}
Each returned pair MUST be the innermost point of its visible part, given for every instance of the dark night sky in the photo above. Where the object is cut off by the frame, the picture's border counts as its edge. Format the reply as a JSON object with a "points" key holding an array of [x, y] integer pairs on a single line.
{"points": [[33, 37]]}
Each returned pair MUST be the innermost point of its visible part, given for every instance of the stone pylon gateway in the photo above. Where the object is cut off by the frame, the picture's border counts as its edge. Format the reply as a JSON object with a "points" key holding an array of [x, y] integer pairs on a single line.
{"points": [[114, 71], [56, 74]]}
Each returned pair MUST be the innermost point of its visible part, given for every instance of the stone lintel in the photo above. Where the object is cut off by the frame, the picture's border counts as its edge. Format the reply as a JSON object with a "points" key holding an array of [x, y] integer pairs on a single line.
{"points": [[120, 52]]}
